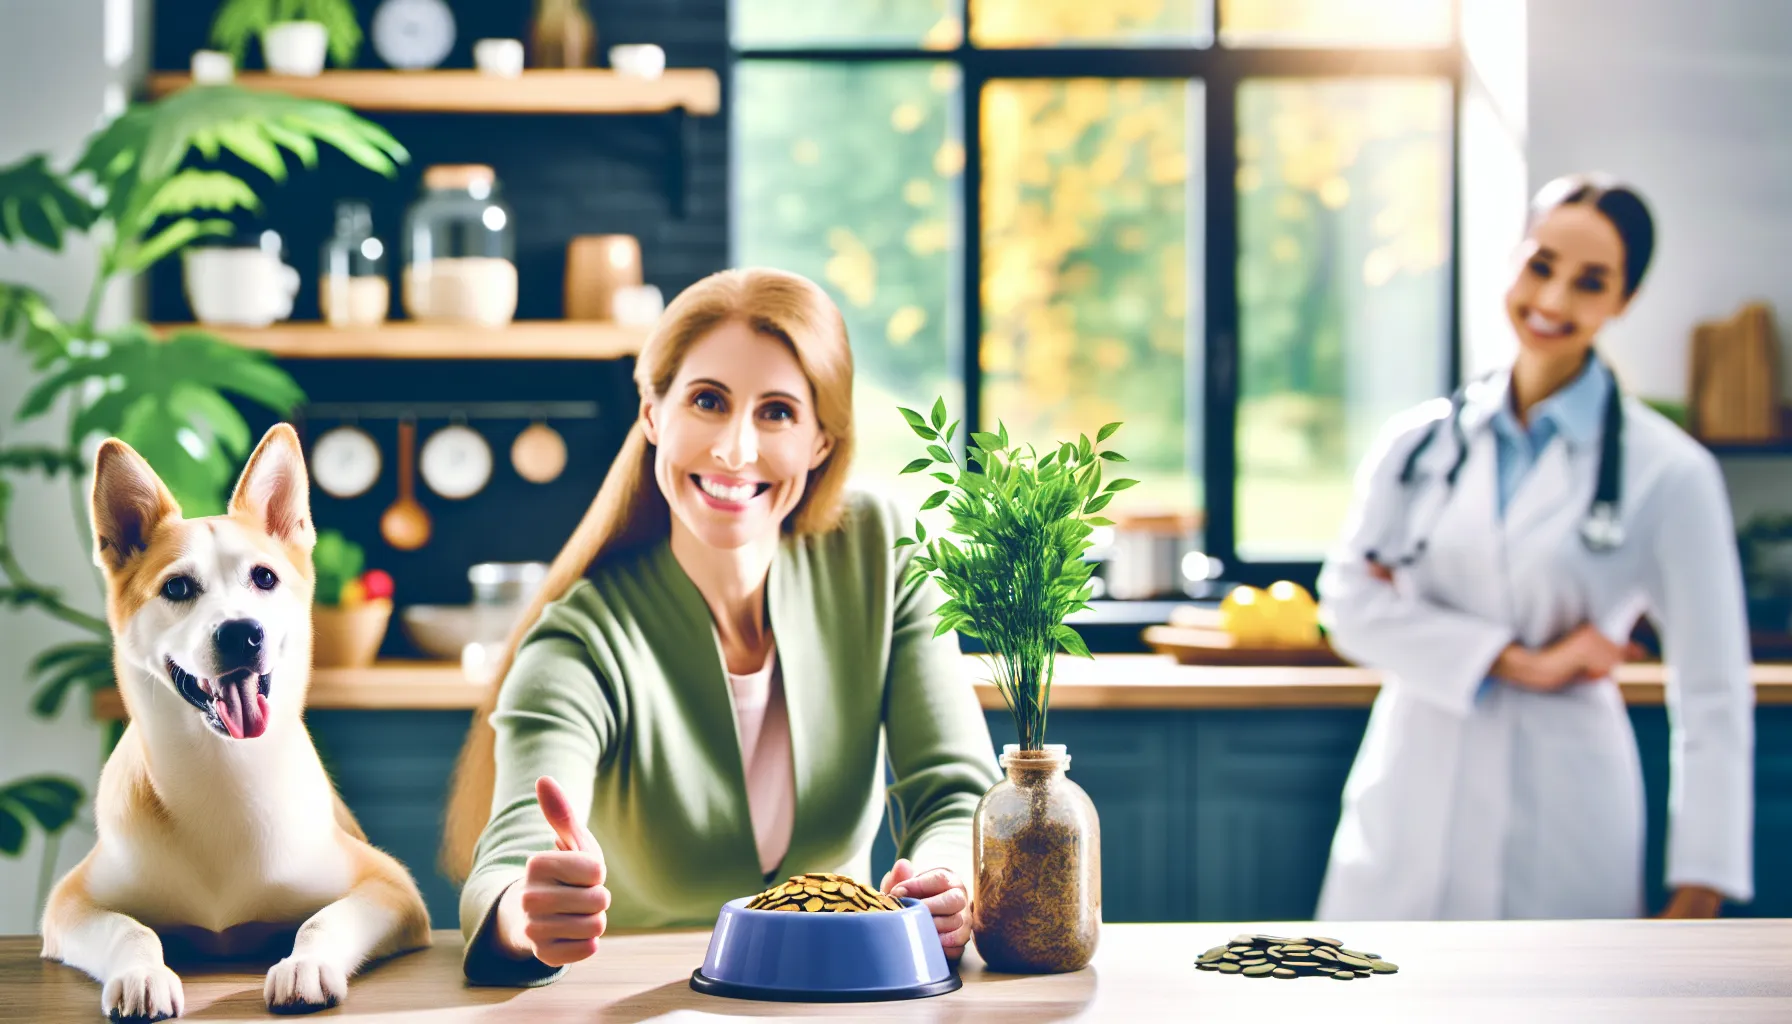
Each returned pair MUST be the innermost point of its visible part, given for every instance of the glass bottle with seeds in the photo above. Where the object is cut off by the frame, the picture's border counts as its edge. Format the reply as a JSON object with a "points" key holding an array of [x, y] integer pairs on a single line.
{"points": [[1037, 846], [459, 249], [352, 290]]}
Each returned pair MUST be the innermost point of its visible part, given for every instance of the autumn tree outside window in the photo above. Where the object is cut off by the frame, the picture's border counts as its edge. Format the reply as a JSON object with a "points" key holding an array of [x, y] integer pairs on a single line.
{"points": [[1232, 228]]}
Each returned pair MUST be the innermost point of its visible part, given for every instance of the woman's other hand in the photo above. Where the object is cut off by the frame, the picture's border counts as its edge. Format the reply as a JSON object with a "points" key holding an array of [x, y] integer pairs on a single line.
{"points": [[940, 891], [557, 912], [1692, 902], [1584, 655]]}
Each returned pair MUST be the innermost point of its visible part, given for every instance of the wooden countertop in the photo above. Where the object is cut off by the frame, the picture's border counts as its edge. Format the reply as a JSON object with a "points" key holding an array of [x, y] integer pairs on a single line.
{"points": [[1110, 681], [1632, 971]]}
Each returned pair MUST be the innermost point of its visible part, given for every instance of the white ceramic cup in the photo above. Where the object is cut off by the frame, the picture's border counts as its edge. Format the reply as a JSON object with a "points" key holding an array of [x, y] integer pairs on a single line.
{"points": [[639, 60], [212, 66], [238, 287], [638, 305], [500, 57], [295, 47]]}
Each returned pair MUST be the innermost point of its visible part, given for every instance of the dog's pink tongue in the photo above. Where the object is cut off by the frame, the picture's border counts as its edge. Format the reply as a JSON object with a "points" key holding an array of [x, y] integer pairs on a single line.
{"points": [[245, 710]]}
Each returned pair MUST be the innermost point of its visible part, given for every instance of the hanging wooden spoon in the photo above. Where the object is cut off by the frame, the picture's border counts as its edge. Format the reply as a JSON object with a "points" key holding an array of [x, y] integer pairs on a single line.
{"points": [[405, 524]]}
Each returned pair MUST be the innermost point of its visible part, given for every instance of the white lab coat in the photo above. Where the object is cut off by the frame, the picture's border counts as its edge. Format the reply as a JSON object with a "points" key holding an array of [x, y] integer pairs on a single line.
{"points": [[1515, 804]]}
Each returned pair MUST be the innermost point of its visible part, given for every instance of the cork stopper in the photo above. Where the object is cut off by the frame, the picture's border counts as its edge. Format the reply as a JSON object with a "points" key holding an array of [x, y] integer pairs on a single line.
{"points": [[1161, 524], [462, 177]]}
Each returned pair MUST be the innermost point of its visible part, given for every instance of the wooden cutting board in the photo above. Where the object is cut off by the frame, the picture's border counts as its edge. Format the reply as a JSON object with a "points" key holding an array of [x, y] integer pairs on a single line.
{"points": [[1734, 393], [1195, 636]]}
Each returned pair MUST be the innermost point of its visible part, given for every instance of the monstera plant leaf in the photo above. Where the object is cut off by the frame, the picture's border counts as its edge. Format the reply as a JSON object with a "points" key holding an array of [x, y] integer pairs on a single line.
{"points": [[84, 664], [26, 314], [189, 191], [137, 159], [37, 204], [166, 400], [49, 800], [148, 142]]}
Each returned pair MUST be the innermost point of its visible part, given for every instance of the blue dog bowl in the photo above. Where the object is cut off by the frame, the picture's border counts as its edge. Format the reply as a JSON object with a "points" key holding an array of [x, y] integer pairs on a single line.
{"points": [[824, 958]]}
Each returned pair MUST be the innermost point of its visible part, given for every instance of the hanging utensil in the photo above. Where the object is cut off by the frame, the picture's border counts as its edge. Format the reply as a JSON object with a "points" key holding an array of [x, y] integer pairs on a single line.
{"points": [[538, 453], [345, 461], [456, 462], [405, 524]]}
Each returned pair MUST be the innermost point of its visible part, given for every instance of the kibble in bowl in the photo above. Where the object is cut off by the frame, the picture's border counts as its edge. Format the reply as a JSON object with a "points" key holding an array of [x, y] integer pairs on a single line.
{"points": [[822, 893], [824, 938]]}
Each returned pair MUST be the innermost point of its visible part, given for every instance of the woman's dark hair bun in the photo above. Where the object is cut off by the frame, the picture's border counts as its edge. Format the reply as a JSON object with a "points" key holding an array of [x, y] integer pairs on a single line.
{"points": [[1620, 203]]}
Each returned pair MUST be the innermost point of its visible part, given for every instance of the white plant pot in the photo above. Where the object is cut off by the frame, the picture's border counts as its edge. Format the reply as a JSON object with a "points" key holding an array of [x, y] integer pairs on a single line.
{"points": [[295, 47]]}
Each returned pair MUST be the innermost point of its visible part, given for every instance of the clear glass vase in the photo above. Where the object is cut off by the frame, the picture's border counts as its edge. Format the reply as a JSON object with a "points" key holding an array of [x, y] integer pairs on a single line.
{"points": [[1037, 844]]}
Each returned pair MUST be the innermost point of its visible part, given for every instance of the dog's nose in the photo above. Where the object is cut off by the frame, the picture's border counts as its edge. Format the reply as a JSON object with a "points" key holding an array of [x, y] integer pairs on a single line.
{"points": [[239, 643]]}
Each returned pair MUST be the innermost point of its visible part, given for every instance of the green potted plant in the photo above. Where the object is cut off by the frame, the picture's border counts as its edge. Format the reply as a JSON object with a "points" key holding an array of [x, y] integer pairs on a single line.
{"points": [[135, 193], [351, 607], [1015, 573], [295, 34]]}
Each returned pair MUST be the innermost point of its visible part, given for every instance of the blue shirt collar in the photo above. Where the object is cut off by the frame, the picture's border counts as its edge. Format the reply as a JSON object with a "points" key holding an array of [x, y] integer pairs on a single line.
{"points": [[1576, 410]]}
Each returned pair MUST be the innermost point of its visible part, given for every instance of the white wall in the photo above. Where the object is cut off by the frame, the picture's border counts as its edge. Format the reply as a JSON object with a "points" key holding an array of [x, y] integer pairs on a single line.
{"points": [[58, 59], [1692, 102], [1492, 167]]}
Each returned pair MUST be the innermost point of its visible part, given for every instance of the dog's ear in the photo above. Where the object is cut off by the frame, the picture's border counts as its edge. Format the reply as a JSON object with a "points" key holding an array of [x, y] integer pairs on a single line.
{"points": [[128, 502], [274, 492]]}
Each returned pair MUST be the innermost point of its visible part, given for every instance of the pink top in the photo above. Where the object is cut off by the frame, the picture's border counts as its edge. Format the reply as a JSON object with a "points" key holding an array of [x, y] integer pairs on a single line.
{"points": [[764, 726]]}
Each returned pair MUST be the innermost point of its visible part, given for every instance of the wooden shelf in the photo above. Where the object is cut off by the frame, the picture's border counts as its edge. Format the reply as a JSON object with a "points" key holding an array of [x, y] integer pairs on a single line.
{"points": [[1110, 681], [585, 91], [524, 339]]}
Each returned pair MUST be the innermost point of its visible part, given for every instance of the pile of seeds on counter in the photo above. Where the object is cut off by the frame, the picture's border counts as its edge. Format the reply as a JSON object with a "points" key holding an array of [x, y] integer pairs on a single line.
{"points": [[1264, 956], [821, 893]]}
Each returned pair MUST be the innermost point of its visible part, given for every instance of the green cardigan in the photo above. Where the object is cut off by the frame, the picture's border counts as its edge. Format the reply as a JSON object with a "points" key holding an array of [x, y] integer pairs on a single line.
{"points": [[620, 693]]}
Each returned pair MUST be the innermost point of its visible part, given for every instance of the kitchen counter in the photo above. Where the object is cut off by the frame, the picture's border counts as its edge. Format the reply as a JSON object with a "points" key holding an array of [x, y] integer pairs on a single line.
{"points": [[1631, 971], [1116, 681]]}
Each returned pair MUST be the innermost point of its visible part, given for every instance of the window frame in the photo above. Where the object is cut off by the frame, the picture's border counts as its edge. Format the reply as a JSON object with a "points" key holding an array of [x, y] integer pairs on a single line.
{"points": [[1221, 70]]}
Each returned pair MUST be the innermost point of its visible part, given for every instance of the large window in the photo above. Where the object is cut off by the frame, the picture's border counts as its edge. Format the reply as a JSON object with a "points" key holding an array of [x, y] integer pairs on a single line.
{"points": [[1229, 224]]}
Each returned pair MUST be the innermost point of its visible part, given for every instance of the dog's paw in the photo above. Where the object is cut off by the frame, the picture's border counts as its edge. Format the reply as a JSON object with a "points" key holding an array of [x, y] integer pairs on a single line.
{"points": [[301, 984], [143, 994]]}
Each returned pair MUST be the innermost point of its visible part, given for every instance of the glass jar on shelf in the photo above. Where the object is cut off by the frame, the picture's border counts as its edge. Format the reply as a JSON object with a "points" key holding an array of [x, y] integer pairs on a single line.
{"points": [[459, 249], [352, 290]]}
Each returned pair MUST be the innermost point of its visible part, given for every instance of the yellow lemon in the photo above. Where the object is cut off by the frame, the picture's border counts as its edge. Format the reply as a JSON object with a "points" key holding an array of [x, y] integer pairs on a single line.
{"points": [[1294, 614], [1246, 616]]}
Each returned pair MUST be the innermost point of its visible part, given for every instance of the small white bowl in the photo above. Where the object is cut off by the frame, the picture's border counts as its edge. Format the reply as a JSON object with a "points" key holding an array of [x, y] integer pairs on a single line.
{"points": [[639, 60], [444, 630], [638, 305], [502, 58], [212, 66]]}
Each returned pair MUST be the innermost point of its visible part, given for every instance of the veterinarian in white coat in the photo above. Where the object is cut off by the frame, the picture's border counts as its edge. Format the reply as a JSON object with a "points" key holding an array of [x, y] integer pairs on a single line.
{"points": [[1494, 578]]}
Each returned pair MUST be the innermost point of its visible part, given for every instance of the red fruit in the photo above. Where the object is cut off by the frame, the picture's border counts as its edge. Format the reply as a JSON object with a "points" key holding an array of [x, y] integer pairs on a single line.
{"points": [[377, 583]]}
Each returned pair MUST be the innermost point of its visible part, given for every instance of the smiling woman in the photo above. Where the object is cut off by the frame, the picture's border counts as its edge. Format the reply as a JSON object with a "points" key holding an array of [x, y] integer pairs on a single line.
{"points": [[733, 461], [1502, 547], [705, 684]]}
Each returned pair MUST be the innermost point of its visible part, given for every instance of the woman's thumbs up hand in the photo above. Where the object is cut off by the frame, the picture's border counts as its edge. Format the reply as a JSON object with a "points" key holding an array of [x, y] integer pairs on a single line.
{"points": [[558, 911]]}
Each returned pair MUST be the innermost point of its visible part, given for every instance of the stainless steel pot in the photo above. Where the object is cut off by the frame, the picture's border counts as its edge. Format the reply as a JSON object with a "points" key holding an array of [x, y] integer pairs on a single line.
{"points": [[501, 583], [1145, 559]]}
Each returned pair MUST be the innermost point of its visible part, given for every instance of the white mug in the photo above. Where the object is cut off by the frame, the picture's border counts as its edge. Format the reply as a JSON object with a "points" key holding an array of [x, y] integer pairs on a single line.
{"points": [[212, 66], [500, 57], [638, 305], [238, 287], [641, 60]]}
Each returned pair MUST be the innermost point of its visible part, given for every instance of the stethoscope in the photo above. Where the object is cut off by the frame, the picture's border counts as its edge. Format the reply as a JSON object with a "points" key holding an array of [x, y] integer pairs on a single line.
{"points": [[1601, 531]]}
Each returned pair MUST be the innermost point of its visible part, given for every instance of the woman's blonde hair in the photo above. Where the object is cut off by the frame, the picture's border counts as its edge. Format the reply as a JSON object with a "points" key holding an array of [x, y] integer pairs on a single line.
{"points": [[630, 513]]}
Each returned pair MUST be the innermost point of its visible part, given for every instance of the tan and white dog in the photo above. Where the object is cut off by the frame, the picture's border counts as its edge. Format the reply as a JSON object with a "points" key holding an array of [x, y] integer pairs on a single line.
{"points": [[218, 829]]}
